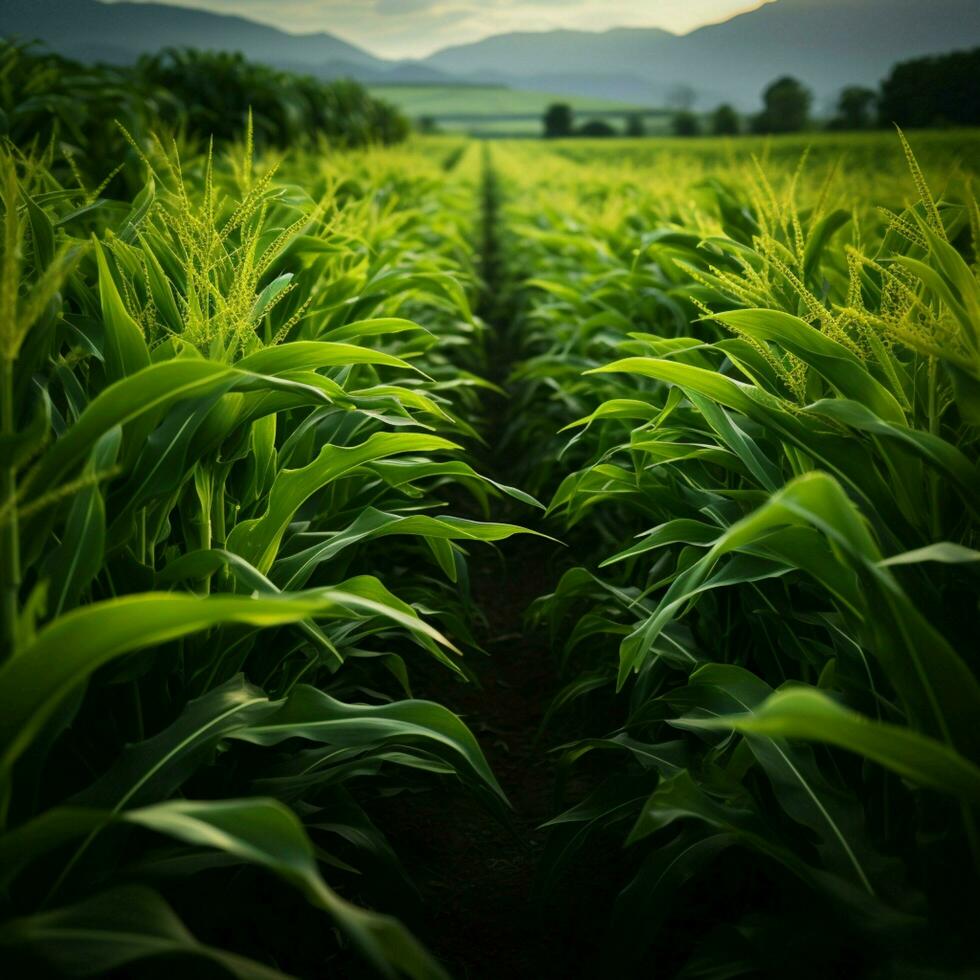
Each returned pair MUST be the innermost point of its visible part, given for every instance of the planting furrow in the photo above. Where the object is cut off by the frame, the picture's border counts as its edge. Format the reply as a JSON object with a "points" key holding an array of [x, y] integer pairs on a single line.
{"points": [[484, 910]]}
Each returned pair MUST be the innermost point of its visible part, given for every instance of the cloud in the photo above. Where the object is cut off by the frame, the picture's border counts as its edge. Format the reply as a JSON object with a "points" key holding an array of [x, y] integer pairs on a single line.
{"points": [[399, 8], [415, 28]]}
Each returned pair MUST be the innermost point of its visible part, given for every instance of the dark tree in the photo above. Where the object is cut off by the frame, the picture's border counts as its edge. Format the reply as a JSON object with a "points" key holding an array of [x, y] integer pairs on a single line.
{"points": [[635, 125], [682, 98], [685, 124], [558, 120], [855, 108], [786, 107], [427, 124], [724, 121], [596, 128], [937, 91], [210, 93]]}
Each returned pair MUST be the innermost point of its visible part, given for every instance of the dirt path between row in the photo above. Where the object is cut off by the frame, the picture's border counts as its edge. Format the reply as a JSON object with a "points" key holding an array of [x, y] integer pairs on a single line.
{"points": [[483, 913], [478, 875]]}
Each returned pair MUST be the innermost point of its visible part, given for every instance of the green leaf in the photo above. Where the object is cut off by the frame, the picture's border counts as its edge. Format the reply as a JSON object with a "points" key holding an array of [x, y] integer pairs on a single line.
{"points": [[125, 347], [832, 360], [370, 524], [115, 929], [303, 355], [268, 834], [807, 713], [936, 451], [257, 540], [311, 714], [144, 397], [800, 788], [153, 769], [943, 552], [819, 237], [940, 692], [20, 447], [77, 560], [37, 682], [42, 234]]}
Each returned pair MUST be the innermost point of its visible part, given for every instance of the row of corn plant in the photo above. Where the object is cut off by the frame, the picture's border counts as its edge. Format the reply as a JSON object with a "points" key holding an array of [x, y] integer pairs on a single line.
{"points": [[233, 419], [768, 390]]}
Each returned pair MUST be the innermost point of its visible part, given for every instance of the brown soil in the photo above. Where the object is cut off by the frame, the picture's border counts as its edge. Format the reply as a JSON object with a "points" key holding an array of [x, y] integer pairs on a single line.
{"points": [[482, 912], [476, 872]]}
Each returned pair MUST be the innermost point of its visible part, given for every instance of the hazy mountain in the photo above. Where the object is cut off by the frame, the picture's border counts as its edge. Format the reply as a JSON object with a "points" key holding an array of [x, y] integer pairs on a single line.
{"points": [[119, 32], [825, 43], [555, 52]]}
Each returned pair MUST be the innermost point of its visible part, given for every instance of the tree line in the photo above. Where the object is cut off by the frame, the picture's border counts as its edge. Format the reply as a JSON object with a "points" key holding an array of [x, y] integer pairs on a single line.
{"points": [[198, 94], [935, 91]]}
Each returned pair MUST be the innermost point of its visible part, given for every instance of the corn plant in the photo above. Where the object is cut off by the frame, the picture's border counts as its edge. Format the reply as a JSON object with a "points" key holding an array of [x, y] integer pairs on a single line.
{"points": [[241, 393], [789, 629], [214, 410]]}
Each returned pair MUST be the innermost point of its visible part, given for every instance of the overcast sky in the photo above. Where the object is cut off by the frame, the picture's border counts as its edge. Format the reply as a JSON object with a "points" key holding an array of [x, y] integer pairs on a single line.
{"points": [[415, 28]]}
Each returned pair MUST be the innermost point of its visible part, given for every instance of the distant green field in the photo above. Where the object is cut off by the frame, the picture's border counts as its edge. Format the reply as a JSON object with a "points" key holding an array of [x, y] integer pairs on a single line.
{"points": [[877, 153], [467, 108], [500, 128]]}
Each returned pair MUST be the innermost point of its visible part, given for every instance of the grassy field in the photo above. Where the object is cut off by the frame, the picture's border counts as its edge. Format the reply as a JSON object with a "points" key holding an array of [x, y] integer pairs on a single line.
{"points": [[477, 100], [495, 111], [411, 555], [873, 158], [483, 127]]}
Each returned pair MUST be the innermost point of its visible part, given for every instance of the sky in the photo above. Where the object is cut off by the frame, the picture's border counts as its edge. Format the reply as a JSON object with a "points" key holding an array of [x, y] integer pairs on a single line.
{"points": [[416, 28]]}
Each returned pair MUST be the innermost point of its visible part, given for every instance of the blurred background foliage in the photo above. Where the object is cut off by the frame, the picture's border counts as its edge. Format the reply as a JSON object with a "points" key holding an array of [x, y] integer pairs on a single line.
{"points": [[83, 110]]}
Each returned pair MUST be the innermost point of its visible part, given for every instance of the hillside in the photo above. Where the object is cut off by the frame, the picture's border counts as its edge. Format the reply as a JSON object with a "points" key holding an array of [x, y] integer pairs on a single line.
{"points": [[89, 30], [826, 43]]}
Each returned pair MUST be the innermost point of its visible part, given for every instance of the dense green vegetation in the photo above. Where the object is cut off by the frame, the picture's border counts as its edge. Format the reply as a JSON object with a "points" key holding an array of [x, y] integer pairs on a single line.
{"points": [[242, 401], [768, 394], [938, 91], [228, 444], [943, 90], [199, 95]]}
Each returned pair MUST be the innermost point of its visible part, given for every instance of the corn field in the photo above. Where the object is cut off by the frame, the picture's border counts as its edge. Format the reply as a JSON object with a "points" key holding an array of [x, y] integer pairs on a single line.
{"points": [[280, 429]]}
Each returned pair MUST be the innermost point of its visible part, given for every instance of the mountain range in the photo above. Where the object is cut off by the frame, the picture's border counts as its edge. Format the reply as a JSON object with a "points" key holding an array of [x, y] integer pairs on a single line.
{"points": [[825, 43]]}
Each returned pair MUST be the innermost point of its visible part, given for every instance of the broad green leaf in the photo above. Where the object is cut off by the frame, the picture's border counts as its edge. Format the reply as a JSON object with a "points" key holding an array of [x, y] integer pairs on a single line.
{"points": [[303, 355], [311, 714], [806, 713], [115, 929], [935, 451], [268, 834], [370, 524], [258, 540], [125, 346], [36, 683], [940, 691], [839, 366], [802, 791]]}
